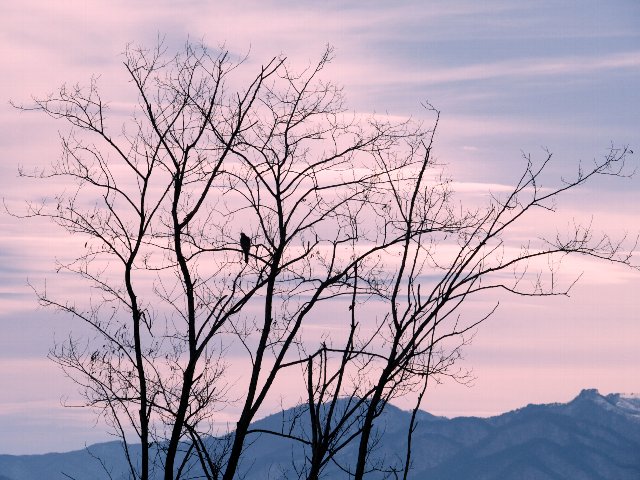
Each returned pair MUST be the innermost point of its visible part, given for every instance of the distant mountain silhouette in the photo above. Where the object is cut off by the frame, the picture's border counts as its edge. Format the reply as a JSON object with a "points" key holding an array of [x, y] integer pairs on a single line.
{"points": [[593, 437]]}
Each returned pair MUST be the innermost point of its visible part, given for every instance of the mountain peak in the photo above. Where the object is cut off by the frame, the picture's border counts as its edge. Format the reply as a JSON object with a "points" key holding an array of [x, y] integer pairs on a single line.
{"points": [[588, 398], [589, 394], [621, 404]]}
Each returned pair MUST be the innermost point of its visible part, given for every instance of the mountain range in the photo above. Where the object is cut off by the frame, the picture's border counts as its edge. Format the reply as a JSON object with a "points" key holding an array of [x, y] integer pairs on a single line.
{"points": [[592, 437]]}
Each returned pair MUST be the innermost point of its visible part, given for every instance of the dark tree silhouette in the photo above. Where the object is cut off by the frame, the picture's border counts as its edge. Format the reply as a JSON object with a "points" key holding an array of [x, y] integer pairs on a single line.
{"points": [[347, 213]]}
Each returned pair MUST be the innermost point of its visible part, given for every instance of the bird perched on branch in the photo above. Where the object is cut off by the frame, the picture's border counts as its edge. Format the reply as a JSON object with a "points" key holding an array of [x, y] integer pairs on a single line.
{"points": [[245, 244]]}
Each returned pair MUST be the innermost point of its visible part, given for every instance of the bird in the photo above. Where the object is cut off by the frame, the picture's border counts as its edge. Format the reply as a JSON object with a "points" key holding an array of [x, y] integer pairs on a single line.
{"points": [[245, 244]]}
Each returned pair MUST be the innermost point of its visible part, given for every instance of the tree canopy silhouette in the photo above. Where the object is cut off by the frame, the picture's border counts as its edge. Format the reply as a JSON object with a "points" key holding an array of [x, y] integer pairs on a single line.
{"points": [[363, 258]]}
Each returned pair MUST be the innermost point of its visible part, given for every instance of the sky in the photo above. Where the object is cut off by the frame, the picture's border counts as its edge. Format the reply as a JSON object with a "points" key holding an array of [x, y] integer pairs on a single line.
{"points": [[509, 78]]}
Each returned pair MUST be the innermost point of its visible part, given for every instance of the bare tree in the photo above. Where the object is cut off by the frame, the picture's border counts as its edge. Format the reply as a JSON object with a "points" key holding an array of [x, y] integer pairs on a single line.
{"points": [[220, 217]]}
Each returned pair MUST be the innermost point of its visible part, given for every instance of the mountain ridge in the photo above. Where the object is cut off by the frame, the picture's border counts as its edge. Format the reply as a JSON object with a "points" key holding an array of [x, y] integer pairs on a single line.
{"points": [[592, 437]]}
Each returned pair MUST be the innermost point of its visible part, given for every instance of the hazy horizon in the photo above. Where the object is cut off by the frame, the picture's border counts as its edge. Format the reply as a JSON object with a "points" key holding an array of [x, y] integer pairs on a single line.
{"points": [[260, 418]]}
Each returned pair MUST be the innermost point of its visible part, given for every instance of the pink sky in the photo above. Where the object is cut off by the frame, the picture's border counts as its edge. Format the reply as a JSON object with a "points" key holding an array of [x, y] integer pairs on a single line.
{"points": [[507, 76]]}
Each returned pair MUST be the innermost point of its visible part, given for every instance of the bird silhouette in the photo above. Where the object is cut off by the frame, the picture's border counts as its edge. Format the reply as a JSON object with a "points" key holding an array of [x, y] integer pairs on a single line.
{"points": [[245, 244]]}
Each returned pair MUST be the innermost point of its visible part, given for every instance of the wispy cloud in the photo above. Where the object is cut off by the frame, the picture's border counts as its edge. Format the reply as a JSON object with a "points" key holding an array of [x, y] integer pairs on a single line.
{"points": [[512, 69]]}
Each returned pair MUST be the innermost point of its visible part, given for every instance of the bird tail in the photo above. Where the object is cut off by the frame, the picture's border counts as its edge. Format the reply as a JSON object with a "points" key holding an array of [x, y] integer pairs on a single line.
{"points": [[246, 257]]}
